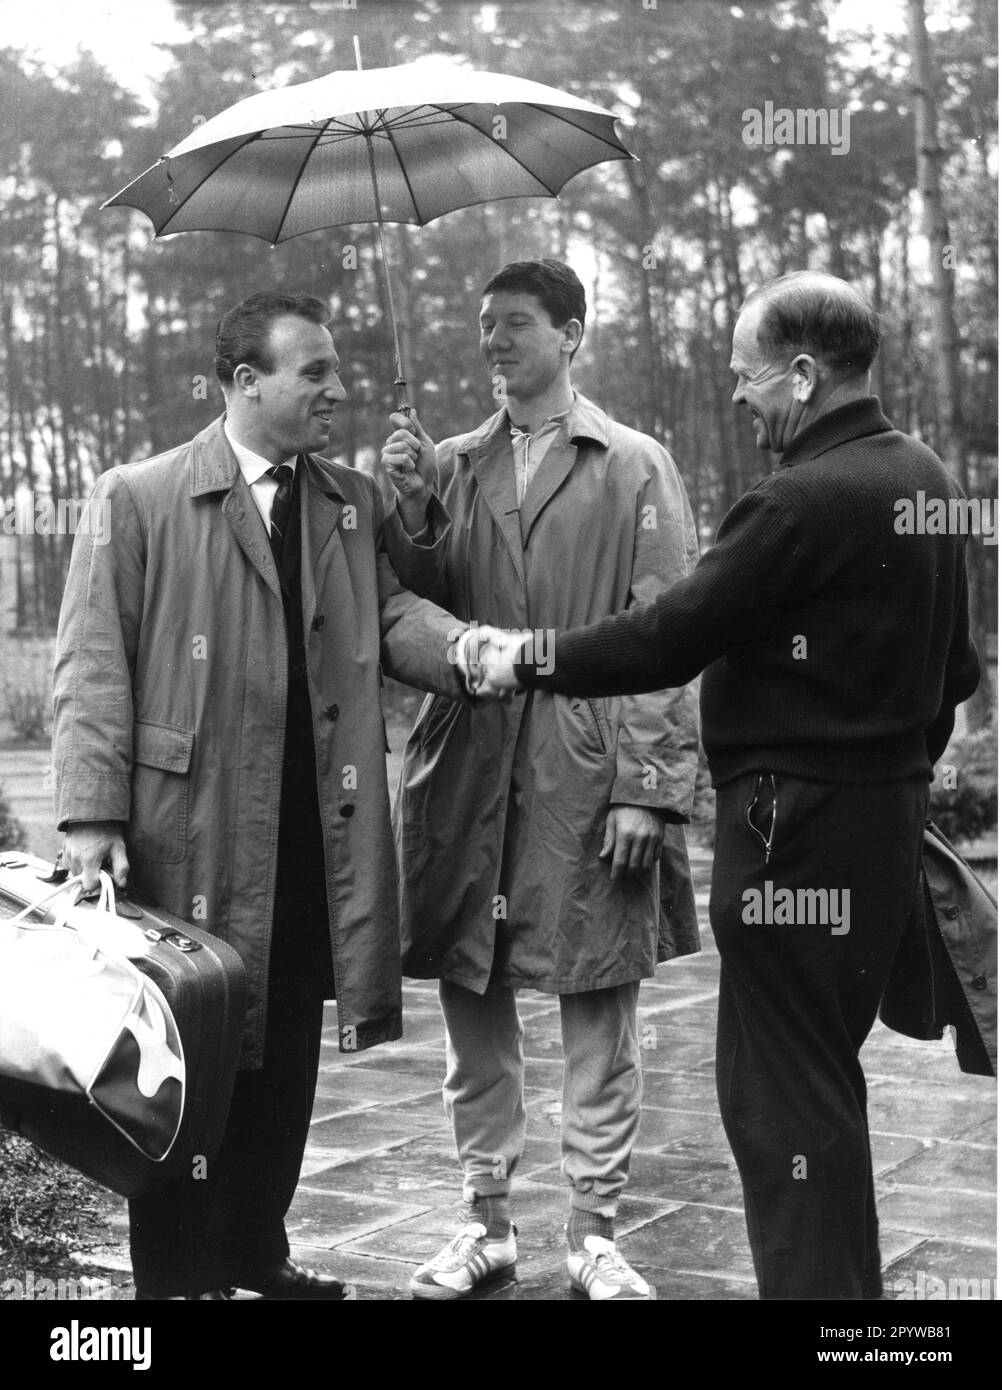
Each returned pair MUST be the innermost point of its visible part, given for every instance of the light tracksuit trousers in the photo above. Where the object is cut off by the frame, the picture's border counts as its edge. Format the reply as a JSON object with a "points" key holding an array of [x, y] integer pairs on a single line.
{"points": [[483, 1089]]}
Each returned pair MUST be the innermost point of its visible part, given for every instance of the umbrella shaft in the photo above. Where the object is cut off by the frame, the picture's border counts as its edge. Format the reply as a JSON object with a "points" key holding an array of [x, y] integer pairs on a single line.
{"points": [[400, 383]]}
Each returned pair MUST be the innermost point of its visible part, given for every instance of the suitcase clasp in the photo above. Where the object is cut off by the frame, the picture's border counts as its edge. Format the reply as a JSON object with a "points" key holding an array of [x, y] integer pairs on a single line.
{"points": [[177, 939]]}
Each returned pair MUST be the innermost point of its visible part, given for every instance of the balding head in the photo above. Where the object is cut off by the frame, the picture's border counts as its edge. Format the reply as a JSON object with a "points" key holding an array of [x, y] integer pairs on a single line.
{"points": [[818, 314], [803, 345]]}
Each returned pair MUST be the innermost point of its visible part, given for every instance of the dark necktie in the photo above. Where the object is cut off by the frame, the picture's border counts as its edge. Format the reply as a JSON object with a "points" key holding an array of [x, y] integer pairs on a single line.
{"points": [[280, 506]]}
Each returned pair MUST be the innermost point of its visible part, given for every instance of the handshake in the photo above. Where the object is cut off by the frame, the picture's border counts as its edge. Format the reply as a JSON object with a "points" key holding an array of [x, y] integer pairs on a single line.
{"points": [[486, 658]]}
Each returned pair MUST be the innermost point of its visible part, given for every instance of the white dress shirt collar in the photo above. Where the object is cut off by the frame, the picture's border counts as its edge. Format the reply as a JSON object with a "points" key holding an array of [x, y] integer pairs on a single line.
{"points": [[252, 465]]}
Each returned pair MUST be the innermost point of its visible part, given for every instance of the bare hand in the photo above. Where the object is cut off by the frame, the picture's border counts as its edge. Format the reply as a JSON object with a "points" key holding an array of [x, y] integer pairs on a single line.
{"points": [[633, 837], [409, 459], [498, 653], [87, 845]]}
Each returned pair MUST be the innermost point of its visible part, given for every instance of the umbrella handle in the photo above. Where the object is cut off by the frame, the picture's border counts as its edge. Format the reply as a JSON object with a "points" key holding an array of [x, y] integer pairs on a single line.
{"points": [[402, 404]]}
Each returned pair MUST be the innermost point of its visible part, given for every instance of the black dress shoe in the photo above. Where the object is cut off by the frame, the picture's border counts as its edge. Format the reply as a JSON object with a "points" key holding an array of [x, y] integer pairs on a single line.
{"points": [[289, 1280]]}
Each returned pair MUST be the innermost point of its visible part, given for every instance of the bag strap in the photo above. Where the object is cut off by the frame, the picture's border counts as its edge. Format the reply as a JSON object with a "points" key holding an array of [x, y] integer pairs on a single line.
{"points": [[105, 901]]}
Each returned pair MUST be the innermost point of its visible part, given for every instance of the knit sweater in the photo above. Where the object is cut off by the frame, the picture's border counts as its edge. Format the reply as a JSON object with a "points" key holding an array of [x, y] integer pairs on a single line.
{"points": [[834, 647]]}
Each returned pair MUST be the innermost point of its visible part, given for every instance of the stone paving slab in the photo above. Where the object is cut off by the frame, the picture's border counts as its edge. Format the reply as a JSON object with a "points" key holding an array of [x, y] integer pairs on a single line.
{"points": [[425, 1167], [912, 1276], [888, 1150], [955, 1166], [914, 1105], [967, 1216]]}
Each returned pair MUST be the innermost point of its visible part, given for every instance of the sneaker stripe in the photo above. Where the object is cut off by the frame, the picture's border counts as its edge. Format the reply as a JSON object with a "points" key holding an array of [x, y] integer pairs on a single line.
{"points": [[468, 1259]]}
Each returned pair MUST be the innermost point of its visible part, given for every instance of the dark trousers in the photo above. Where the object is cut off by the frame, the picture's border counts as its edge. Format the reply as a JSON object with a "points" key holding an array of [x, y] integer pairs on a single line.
{"points": [[797, 1001], [206, 1233]]}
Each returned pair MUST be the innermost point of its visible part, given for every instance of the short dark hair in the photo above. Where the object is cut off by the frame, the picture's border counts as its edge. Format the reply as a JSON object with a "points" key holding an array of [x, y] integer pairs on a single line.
{"points": [[242, 334], [552, 282], [809, 311]]}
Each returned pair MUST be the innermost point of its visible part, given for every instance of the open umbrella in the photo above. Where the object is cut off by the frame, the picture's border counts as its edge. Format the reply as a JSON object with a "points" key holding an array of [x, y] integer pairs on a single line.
{"points": [[398, 144]]}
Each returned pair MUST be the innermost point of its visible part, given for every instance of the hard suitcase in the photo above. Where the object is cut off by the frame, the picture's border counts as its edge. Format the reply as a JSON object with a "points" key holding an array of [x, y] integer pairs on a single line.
{"points": [[202, 981]]}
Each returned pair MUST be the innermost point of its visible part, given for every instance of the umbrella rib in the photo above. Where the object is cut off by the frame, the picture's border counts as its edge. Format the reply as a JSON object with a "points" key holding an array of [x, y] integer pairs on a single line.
{"points": [[614, 144], [554, 192], [203, 180], [404, 173], [514, 158], [296, 182]]}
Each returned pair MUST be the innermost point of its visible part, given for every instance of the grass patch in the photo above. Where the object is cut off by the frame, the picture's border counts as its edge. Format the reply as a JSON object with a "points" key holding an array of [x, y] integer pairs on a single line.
{"points": [[47, 1210]]}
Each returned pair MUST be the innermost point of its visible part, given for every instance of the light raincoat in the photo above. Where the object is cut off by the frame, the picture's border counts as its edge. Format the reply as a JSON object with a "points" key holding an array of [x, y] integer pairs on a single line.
{"points": [[501, 809]]}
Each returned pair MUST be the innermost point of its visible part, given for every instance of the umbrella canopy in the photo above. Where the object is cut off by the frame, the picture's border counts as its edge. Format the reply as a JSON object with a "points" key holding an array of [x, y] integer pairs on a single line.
{"points": [[432, 136]]}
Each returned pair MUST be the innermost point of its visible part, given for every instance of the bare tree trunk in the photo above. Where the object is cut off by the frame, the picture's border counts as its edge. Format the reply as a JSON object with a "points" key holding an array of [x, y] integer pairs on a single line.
{"points": [[907, 385], [876, 271], [647, 228], [951, 440], [126, 374], [836, 250], [929, 158]]}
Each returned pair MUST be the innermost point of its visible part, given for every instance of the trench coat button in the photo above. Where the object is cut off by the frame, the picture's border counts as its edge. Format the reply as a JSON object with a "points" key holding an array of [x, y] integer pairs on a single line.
{"points": [[347, 809], [318, 623], [331, 711], [979, 982], [953, 912]]}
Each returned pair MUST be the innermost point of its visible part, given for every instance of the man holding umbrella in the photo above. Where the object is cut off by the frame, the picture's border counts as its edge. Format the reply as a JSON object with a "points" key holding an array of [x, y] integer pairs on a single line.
{"points": [[529, 833]]}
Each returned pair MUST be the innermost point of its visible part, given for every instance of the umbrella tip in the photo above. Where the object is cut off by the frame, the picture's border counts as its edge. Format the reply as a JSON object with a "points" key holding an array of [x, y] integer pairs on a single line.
{"points": [[358, 52]]}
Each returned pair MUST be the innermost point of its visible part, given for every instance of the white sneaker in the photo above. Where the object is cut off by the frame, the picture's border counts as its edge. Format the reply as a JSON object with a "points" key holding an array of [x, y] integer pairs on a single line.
{"points": [[468, 1260], [600, 1271]]}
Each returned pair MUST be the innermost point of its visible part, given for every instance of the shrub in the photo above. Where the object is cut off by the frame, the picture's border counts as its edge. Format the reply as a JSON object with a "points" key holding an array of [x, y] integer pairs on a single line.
{"points": [[46, 1209], [12, 833], [26, 690], [964, 794]]}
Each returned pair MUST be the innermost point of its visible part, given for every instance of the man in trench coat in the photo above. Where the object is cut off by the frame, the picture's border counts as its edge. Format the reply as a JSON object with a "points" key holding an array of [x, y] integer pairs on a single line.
{"points": [[529, 833], [218, 738]]}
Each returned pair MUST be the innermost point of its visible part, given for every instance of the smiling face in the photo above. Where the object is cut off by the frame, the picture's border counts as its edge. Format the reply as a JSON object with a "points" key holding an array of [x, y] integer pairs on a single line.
{"points": [[292, 404], [519, 343], [772, 391]]}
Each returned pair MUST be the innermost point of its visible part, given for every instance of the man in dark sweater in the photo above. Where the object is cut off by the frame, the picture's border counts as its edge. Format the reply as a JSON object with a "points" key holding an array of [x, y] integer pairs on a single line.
{"points": [[835, 650]]}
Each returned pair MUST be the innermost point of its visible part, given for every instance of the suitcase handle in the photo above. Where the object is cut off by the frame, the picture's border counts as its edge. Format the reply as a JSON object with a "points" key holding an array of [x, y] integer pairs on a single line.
{"points": [[57, 891], [104, 899]]}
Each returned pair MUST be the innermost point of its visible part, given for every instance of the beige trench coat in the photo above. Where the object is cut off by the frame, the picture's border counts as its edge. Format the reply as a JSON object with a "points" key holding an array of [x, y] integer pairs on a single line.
{"points": [[501, 809], [170, 696]]}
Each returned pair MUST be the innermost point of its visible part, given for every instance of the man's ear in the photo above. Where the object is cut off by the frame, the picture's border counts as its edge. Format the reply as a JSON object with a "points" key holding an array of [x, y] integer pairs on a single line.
{"points": [[245, 380], [573, 333], [805, 378]]}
